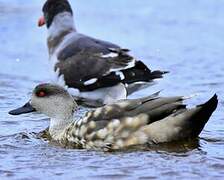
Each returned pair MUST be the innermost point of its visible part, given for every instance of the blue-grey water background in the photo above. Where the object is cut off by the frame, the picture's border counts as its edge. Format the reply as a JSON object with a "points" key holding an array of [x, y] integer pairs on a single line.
{"points": [[184, 37]]}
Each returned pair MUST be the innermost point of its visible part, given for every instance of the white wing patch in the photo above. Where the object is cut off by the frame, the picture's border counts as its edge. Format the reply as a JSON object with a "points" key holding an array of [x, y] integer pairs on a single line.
{"points": [[121, 74], [110, 55], [91, 81], [129, 65]]}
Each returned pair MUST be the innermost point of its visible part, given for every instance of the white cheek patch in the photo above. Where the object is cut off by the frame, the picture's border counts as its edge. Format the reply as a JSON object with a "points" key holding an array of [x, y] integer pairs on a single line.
{"points": [[91, 81]]}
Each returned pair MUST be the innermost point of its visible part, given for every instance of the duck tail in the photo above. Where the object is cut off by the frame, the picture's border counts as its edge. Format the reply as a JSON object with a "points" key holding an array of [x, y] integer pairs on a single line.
{"points": [[204, 113]]}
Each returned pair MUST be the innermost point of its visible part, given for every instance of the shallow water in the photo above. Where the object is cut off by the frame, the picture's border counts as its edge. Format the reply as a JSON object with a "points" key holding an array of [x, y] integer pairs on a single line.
{"points": [[184, 37]]}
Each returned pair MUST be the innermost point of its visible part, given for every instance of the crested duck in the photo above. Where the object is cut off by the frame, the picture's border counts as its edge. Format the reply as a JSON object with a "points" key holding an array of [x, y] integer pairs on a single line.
{"points": [[126, 123]]}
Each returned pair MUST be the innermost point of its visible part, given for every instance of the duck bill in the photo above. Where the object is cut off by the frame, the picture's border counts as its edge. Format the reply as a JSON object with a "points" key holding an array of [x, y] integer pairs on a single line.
{"points": [[41, 21], [27, 108]]}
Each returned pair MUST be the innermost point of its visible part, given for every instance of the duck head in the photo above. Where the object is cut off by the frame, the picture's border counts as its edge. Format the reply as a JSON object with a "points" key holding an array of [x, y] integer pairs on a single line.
{"points": [[51, 100]]}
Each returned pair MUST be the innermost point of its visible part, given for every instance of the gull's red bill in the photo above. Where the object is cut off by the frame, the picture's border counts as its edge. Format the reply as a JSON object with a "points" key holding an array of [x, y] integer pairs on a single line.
{"points": [[41, 21]]}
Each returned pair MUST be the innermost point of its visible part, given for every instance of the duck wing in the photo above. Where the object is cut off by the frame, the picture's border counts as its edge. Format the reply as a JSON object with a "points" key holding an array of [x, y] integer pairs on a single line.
{"points": [[153, 106]]}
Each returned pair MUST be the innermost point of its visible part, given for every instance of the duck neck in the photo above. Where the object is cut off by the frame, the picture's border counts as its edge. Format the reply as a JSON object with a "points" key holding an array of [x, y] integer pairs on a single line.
{"points": [[61, 26], [58, 125]]}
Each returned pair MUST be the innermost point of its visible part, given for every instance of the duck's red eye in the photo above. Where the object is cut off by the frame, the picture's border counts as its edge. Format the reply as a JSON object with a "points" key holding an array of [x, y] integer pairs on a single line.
{"points": [[41, 94]]}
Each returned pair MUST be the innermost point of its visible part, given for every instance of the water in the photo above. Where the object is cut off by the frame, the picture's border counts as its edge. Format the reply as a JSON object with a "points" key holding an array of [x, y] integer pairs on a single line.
{"points": [[184, 37]]}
